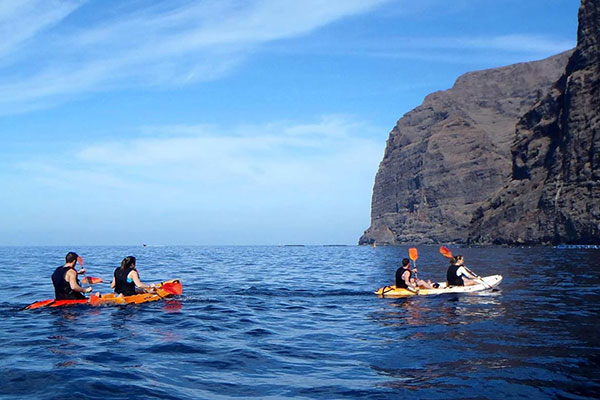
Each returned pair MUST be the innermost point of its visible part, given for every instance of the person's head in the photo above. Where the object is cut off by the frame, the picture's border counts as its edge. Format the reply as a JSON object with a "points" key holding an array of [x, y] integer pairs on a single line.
{"points": [[128, 263], [405, 262], [71, 257], [457, 260]]}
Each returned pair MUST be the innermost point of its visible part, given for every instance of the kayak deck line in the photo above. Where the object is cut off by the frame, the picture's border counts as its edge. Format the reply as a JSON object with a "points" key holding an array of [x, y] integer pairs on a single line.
{"points": [[488, 282], [163, 290]]}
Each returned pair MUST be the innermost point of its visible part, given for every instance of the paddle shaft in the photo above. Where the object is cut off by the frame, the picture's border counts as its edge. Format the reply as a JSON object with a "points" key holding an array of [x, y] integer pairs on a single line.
{"points": [[478, 277]]}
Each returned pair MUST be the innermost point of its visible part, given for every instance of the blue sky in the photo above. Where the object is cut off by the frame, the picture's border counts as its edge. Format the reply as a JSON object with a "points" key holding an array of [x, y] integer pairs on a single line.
{"points": [[230, 121]]}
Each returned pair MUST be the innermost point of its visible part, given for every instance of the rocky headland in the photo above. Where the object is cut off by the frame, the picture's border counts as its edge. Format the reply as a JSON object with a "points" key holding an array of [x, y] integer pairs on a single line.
{"points": [[506, 156]]}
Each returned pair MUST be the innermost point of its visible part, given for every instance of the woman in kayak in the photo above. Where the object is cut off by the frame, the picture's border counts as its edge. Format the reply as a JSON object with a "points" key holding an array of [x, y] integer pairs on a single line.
{"points": [[405, 278], [458, 274], [126, 278]]}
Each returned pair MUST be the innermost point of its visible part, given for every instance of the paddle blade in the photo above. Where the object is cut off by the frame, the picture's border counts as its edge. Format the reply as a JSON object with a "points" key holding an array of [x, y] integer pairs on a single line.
{"points": [[175, 288], [80, 260], [413, 253], [92, 280], [445, 252]]}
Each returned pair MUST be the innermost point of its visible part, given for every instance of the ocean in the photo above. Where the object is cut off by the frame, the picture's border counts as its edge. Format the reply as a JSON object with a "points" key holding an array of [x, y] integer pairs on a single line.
{"points": [[302, 322]]}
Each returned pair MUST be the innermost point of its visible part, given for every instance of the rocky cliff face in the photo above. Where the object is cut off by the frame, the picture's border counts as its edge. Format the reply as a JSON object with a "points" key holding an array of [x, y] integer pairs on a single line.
{"points": [[445, 158], [553, 195], [456, 169]]}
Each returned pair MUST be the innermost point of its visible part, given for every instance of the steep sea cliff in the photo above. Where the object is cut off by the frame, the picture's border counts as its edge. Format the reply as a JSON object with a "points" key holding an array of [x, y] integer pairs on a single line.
{"points": [[506, 156]]}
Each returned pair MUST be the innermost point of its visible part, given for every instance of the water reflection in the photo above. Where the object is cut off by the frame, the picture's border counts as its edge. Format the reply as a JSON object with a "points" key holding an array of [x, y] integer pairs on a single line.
{"points": [[460, 309]]}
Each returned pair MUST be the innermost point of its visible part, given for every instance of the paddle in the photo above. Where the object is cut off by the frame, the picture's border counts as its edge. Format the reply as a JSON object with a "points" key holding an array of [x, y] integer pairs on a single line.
{"points": [[175, 288], [414, 254], [92, 280], [448, 254]]}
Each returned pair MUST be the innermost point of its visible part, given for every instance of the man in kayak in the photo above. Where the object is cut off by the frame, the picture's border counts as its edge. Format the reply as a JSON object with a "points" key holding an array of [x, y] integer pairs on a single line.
{"points": [[126, 278], [64, 279], [405, 278], [458, 274]]}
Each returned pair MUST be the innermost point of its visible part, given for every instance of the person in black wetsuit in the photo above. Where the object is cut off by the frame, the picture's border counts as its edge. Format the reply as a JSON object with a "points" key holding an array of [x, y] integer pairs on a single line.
{"points": [[64, 279], [126, 278], [458, 274], [405, 278]]}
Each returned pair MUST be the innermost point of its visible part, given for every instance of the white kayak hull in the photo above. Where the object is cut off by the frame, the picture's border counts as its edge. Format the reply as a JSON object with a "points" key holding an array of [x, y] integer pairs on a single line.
{"points": [[485, 283]]}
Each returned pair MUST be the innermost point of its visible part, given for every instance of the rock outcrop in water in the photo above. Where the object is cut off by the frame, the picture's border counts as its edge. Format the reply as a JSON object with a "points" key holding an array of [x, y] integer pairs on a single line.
{"points": [[554, 192], [455, 169]]}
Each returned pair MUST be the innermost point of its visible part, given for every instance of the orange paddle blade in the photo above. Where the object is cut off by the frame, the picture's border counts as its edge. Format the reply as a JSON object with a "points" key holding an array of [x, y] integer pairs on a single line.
{"points": [[413, 253], [92, 280], [446, 252], [80, 260], [175, 288]]}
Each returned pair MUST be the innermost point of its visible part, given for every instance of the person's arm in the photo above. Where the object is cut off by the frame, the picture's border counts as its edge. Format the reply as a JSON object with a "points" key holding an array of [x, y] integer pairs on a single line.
{"points": [[135, 277], [406, 278], [71, 277], [462, 271], [113, 283]]}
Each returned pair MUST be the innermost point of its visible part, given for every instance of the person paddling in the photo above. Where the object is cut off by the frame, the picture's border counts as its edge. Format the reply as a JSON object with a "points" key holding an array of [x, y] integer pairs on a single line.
{"points": [[458, 274], [64, 279], [405, 278], [126, 278]]}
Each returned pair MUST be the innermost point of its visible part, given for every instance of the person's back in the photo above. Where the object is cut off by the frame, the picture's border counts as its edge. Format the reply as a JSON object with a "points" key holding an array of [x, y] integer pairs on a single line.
{"points": [[400, 277], [63, 289], [123, 285], [452, 277], [126, 278], [458, 274]]}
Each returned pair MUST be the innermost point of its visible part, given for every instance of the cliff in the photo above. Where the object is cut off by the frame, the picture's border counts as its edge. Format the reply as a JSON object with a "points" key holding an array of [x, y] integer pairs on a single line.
{"points": [[506, 156], [553, 195], [447, 157]]}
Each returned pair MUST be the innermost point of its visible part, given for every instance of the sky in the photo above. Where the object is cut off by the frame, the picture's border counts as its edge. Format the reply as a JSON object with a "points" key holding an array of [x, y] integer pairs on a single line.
{"points": [[228, 122]]}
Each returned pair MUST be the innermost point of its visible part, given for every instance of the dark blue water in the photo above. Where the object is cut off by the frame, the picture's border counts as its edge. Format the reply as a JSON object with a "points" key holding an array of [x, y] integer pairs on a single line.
{"points": [[302, 322]]}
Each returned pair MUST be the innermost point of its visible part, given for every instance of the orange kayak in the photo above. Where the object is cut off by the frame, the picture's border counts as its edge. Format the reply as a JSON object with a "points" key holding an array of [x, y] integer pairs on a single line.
{"points": [[163, 290]]}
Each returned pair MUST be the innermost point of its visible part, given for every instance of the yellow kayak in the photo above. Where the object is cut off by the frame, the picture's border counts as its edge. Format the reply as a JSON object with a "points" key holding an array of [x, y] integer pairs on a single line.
{"points": [[486, 283]]}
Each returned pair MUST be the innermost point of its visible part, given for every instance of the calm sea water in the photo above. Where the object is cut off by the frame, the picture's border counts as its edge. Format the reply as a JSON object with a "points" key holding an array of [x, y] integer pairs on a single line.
{"points": [[302, 322]]}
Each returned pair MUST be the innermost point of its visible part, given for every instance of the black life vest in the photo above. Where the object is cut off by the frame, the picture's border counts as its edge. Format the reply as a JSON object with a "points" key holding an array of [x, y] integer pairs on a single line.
{"points": [[452, 278], [399, 281], [121, 285], [62, 288]]}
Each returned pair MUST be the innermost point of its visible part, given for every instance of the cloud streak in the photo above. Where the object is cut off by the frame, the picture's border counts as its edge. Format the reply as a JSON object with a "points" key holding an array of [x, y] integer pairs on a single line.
{"points": [[163, 44], [308, 174]]}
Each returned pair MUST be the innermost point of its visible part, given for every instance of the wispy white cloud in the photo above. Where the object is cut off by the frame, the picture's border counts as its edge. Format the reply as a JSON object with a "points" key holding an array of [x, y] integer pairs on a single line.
{"points": [[310, 174], [301, 157], [22, 20], [449, 49], [166, 43]]}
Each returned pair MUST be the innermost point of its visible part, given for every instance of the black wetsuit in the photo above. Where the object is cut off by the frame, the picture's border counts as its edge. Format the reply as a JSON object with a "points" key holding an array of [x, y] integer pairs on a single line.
{"points": [[62, 288], [399, 281], [121, 285], [452, 278]]}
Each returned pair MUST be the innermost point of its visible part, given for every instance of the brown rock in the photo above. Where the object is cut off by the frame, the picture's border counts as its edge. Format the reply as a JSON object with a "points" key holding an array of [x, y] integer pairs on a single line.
{"points": [[553, 195], [447, 157]]}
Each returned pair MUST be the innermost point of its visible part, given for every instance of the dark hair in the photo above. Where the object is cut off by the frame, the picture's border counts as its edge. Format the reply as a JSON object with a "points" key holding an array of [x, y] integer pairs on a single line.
{"points": [[71, 256], [405, 262], [127, 262], [454, 260]]}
